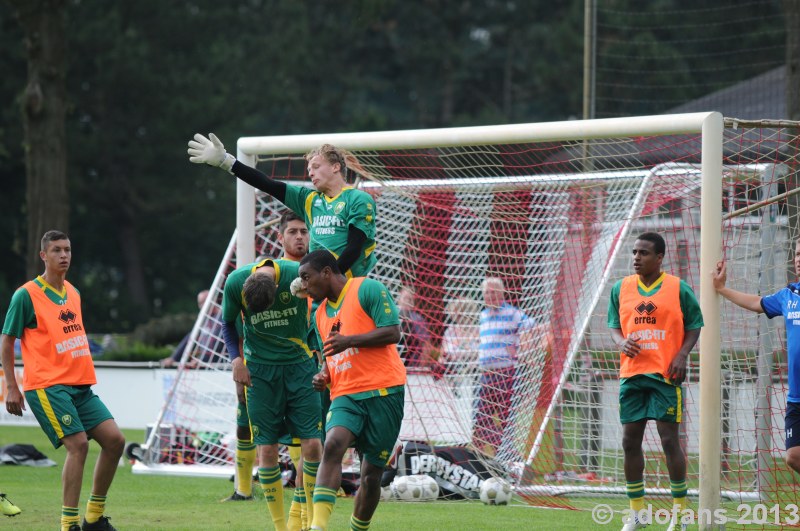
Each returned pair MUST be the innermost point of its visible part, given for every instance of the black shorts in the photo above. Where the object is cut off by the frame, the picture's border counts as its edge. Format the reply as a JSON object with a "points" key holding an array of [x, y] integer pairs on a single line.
{"points": [[792, 424]]}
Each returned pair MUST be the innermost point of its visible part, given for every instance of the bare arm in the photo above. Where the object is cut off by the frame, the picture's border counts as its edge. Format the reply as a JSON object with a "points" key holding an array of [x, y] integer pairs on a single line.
{"points": [[745, 300], [627, 345], [15, 400], [385, 335], [677, 367]]}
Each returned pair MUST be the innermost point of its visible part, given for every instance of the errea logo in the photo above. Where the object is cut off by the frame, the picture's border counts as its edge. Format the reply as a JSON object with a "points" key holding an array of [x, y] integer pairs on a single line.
{"points": [[67, 316], [645, 308]]}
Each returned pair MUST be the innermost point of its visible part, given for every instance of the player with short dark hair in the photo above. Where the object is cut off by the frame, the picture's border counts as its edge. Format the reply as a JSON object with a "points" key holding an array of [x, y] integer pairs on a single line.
{"points": [[45, 314], [655, 320], [359, 326], [293, 238], [277, 368]]}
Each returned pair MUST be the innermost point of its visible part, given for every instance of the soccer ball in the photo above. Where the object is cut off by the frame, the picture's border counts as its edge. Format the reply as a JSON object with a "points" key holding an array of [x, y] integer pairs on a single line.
{"points": [[415, 488], [386, 493], [496, 491]]}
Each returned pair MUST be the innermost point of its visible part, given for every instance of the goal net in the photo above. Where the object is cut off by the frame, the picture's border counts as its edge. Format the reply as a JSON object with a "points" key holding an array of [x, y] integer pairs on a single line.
{"points": [[551, 210]]}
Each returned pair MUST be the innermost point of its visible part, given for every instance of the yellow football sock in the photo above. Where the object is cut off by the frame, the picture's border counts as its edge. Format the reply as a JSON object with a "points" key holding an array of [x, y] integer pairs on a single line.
{"points": [[296, 455], [245, 457], [324, 499], [358, 525], [270, 479], [309, 483], [295, 522], [679, 490], [635, 491], [69, 517], [94, 508]]}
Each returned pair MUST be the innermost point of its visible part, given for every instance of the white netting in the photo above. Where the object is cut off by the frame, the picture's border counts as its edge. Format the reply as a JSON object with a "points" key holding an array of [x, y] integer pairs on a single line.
{"points": [[556, 222]]}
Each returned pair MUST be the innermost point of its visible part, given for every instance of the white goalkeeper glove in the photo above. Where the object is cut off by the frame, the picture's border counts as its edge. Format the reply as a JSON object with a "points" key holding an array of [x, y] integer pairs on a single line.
{"points": [[210, 151], [296, 287]]}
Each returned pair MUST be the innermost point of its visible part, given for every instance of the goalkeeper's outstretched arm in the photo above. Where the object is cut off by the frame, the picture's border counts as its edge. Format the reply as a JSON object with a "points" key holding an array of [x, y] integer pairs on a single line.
{"points": [[210, 151]]}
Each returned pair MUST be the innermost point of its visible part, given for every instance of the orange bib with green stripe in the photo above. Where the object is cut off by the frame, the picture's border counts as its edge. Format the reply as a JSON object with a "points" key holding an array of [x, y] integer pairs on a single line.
{"points": [[358, 369], [657, 320], [56, 352]]}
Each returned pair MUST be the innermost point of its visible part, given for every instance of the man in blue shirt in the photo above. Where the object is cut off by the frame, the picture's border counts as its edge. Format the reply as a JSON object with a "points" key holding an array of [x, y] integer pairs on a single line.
{"points": [[501, 328], [785, 302]]}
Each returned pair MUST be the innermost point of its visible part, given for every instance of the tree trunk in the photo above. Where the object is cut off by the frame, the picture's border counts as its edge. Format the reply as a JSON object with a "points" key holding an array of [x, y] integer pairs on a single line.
{"points": [[43, 115], [131, 250]]}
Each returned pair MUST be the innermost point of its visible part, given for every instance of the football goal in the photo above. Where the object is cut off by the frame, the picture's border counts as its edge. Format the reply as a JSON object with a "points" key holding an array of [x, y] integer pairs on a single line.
{"points": [[552, 210]]}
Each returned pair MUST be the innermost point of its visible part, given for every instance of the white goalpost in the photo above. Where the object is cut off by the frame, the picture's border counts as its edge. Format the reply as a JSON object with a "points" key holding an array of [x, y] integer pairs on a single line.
{"points": [[552, 209], [710, 127]]}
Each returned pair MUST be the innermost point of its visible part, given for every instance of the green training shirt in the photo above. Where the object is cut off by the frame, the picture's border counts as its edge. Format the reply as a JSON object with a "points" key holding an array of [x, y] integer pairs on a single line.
{"points": [[278, 334], [20, 313], [329, 219]]}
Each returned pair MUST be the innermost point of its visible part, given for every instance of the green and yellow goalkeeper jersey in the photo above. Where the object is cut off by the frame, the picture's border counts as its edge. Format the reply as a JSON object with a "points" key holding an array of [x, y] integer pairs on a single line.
{"points": [[278, 334], [329, 219]]}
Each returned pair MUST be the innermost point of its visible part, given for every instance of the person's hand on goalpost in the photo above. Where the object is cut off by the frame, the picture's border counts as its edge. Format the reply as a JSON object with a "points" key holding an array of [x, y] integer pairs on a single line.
{"points": [[210, 151]]}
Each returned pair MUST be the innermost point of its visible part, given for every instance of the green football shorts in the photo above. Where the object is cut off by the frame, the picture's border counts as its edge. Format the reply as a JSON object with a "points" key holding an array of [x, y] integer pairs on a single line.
{"points": [[281, 400], [63, 410], [243, 421], [645, 398], [242, 418], [374, 421]]}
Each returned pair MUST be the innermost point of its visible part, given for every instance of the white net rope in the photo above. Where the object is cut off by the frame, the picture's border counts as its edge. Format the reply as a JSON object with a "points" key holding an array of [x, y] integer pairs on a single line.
{"points": [[556, 222]]}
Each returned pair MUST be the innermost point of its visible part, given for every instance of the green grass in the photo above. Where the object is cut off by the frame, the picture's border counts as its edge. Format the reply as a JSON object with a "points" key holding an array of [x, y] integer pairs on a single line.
{"points": [[180, 503]]}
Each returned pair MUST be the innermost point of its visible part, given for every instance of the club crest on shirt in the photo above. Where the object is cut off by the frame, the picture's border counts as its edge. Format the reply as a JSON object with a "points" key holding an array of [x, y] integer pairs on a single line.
{"points": [[339, 207], [285, 297]]}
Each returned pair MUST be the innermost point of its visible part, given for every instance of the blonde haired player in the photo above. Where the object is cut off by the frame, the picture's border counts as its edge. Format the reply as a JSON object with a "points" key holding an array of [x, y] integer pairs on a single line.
{"points": [[340, 218]]}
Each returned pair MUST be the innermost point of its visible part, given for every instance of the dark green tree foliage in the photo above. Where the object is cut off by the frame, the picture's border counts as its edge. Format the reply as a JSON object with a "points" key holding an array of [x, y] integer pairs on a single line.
{"points": [[652, 56], [149, 228]]}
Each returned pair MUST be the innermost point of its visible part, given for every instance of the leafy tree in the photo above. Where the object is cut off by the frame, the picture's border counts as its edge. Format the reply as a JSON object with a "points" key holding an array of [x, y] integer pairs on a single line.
{"points": [[140, 78], [42, 108]]}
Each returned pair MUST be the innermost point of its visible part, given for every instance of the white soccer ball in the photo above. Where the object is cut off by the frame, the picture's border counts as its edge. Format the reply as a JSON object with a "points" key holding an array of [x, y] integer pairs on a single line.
{"points": [[496, 491], [415, 488], [386, 493]]}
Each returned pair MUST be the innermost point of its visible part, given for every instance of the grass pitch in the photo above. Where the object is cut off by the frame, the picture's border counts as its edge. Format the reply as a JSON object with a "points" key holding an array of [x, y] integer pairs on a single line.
{"points": [[141, 502], [181, 503]]}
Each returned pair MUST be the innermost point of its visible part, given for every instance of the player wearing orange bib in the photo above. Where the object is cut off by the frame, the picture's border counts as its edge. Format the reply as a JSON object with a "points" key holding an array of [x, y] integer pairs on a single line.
{"points": [[359, 327], [655, 321], [45, 314]]}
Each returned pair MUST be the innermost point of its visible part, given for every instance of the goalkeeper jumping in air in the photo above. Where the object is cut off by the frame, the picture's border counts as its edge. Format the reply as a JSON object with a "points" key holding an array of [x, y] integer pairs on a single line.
{"points": [[340, 218]]}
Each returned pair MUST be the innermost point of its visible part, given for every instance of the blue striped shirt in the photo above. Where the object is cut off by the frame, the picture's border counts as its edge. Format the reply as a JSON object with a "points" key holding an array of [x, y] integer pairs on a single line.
{"points": [[500, 329]]}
